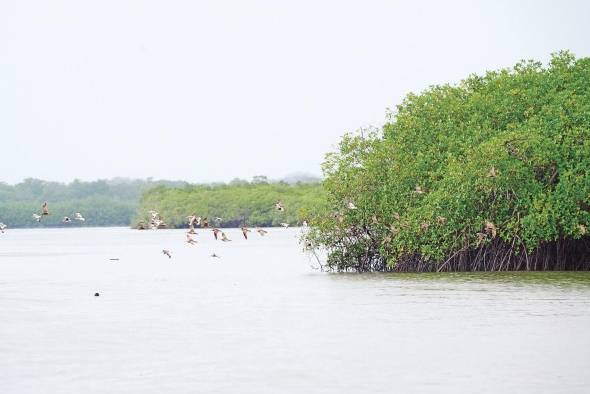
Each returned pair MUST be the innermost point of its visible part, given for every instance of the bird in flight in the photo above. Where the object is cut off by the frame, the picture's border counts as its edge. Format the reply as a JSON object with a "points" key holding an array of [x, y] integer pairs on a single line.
{"points": [[245, 231], [78, 216], [167, 253], [218, 220], [224, 237], [66, 220], [216, 231], [192, 219], [37, 217], [190, 239], [44, 209], [279, 206], [285, 225], [215, 256], [2, 227], [204, 223], [261, 231]]}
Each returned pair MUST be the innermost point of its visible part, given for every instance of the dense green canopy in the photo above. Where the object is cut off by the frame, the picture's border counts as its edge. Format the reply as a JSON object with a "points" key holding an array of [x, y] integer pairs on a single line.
{"points": [[493, 173]]}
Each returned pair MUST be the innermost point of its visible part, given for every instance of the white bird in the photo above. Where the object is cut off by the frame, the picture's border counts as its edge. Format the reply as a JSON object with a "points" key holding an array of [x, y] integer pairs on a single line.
{"points": [[2, 227], [66, 220], [350, 205], [37, 217], [78, 216], [285, 225], [155, 215]]}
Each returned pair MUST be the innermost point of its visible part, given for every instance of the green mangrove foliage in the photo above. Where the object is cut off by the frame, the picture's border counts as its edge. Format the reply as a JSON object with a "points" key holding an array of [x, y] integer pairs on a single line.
{"points": [[238, 203], [489, 174], [103, 202]]}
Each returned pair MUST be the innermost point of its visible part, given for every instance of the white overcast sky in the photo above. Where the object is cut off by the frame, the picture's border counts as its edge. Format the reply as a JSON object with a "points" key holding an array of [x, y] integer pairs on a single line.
{"points": [[212, 90]]}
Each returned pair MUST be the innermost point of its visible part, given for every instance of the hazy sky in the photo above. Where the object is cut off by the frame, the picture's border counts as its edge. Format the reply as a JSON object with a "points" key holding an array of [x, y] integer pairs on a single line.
{"points": [[209, 91]]}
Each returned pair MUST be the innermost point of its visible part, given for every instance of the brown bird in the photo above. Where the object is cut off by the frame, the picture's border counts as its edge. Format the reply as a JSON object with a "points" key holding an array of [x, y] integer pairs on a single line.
{"points": [[224, 237], [192, 219], [216, 231], [490, 228], [45, 209], [418, 190], [261, 231], [167, 253], [245, 231], [424, 226], [190, 239], [204, 223]]}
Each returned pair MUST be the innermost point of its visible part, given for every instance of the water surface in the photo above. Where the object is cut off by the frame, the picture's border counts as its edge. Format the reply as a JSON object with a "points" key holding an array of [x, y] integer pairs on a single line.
{"points": [[261, 320]]}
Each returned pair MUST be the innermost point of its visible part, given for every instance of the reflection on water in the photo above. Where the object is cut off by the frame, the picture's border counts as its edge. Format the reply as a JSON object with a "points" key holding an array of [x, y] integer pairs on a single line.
{"points": [[261, 320]]}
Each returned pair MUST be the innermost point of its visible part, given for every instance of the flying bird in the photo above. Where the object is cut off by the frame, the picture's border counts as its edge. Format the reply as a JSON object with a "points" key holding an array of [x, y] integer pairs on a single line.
{"points": [[66, 220], [190, 239], [192, 219], [224, 237], [167, 253], [78, 216], [218, 220], [216, 231], [261, 231], [279, 206], [2, 227], [204, 223], [44, 209], [245, 231], [215, 256], [285, 225], [36, 217]]}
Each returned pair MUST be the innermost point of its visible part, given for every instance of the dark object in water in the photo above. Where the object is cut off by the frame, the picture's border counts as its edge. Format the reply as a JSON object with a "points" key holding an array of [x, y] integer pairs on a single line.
{"points": [[115, 259], [96, 294]]}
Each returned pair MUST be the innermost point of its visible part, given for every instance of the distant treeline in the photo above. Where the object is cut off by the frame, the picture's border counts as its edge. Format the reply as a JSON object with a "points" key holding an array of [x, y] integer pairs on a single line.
{"points": [[124, 202], [238, 203], [103, 203]]}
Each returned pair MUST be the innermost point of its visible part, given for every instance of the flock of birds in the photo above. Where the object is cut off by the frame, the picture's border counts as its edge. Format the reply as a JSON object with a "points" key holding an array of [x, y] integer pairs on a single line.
{"points": [[195, 221]]}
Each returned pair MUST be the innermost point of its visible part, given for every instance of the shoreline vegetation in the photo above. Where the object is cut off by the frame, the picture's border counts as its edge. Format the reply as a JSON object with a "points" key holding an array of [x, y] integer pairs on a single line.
{"points": [[491, 174]]}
